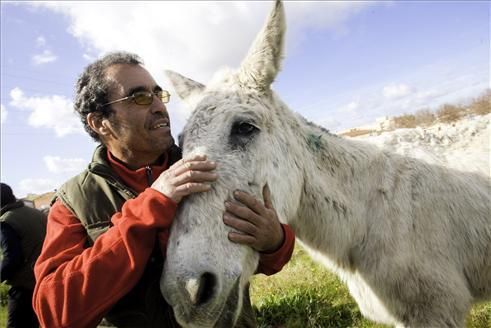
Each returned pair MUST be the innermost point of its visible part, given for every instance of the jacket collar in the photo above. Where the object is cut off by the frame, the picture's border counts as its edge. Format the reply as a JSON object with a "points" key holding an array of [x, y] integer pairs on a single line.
{"points": [[11, 206]]}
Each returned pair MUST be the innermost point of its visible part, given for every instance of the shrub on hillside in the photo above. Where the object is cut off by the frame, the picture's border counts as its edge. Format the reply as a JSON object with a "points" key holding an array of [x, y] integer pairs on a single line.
{"points": [[482, 104], [450, 113], [405, 121], [424, 117], [356, 132]]}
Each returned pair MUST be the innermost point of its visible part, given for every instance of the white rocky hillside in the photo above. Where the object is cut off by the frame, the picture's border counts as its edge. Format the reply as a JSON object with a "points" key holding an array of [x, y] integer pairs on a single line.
{"points": [[463, 145]]}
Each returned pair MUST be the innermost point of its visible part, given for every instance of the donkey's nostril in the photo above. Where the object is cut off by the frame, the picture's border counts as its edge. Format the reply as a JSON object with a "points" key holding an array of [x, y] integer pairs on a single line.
{"points": [[201, 290]]}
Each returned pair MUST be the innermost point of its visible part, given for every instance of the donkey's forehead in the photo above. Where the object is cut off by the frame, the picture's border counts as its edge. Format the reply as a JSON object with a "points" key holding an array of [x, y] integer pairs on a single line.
{"points": [[231, 103]]}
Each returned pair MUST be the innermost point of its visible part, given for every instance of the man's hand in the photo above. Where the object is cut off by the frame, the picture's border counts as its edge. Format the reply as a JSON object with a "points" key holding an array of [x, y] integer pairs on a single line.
{"points": [[185, 177], [258, 223]]}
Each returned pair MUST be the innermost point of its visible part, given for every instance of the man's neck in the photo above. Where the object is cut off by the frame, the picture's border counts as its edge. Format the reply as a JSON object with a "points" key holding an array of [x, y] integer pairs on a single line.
{"points": [[135, 161]]}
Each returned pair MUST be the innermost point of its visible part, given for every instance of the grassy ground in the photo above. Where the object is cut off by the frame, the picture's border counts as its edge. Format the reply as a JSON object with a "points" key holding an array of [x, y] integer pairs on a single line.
{"points": [[3, 316], [305, 295], [3, 305]]}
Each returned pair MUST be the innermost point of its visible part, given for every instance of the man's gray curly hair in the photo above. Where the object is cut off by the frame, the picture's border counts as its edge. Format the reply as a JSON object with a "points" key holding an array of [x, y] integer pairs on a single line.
{"points": [[92, 88]]}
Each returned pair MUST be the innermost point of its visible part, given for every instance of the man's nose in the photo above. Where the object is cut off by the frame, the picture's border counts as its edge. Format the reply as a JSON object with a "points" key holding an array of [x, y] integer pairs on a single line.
{"points": [[158, 105]]}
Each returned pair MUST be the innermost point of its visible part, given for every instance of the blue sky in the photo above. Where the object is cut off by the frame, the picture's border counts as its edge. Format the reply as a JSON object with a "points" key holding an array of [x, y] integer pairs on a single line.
{"points": [[346, 64]]}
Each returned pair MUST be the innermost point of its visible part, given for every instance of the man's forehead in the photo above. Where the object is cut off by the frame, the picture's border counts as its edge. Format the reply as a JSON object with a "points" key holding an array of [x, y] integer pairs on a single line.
{"points": [[126, 77]]}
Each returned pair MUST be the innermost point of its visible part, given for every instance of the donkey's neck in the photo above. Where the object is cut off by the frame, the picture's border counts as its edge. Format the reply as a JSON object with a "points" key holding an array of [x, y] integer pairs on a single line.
{"points": [[336, 174]]}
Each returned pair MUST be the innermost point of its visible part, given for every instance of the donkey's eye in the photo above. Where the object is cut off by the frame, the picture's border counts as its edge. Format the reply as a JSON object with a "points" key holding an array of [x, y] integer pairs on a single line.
{"points": [[243, 129], [242, 134]]}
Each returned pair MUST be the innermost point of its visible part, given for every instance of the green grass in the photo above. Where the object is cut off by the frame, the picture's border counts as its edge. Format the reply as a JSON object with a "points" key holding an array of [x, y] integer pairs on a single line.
{"points": [[3, 304], [3, 316], [305, 294]]}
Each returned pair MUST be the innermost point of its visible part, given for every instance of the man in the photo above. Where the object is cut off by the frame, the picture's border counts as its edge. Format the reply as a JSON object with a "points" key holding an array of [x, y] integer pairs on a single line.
{"points": [[22, 231], [108, 228]]}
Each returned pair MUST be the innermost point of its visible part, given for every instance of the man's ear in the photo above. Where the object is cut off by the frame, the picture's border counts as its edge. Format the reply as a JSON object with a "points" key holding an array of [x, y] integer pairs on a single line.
{"points": [[99, 124]]}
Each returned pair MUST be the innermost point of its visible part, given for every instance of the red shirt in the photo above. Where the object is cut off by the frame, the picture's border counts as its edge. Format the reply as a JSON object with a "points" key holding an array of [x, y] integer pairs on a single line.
{"points": [[76, 285]]}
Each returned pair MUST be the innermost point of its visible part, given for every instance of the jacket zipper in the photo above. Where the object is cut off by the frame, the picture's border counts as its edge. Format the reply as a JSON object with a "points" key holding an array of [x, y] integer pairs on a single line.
{"points": [[148, 170]]}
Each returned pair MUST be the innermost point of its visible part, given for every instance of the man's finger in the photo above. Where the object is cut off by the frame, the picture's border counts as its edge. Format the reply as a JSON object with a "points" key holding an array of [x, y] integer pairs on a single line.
{"points": [[239, 224], [194, 176], [242, 212], [195, 166], [189, 159], [241, 238], [249, 201], [267, 197], [194, 158], [190, 188]]}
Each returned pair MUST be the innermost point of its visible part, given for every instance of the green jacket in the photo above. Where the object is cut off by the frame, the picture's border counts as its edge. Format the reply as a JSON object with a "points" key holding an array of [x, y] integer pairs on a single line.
{"points": [[30, 226], [94, 196]]}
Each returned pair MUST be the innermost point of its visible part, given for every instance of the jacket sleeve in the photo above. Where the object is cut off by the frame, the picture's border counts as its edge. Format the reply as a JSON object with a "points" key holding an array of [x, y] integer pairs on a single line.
{"points": [[76, 285], [12, 257], [271, 263]]}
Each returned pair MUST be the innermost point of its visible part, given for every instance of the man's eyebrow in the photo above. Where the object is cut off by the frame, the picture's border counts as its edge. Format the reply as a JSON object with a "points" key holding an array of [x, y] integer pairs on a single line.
{"points": [[136, 89], [142, 88]]}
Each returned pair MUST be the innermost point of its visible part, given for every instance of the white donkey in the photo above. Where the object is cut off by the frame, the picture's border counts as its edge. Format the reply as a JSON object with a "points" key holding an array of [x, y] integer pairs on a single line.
{"points": [[411, 240]]}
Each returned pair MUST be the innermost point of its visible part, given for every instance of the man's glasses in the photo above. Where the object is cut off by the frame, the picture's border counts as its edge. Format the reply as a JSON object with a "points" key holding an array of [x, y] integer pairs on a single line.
{"points": [[144, 97]]}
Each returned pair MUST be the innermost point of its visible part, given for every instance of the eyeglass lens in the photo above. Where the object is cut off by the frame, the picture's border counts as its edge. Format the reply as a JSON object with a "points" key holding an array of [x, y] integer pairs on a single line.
{"points": [[146, 98]]}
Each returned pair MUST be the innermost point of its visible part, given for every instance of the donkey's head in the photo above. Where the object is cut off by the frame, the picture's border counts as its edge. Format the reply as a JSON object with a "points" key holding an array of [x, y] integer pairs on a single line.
{"points": [[239, 123]]}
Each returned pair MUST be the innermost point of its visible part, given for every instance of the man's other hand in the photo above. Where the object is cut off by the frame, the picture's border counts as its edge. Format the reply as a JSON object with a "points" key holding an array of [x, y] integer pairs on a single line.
{"points": [[256, 222]]}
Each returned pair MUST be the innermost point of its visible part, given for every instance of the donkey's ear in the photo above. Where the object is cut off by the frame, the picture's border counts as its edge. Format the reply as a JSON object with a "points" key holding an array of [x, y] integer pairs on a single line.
{"points": [[188, 90], [258, 70]]}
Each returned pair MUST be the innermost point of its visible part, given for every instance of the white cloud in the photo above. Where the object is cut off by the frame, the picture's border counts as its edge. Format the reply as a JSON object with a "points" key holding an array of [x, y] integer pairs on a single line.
{"points": [[430, 93], [43, 58], [36, 186], [195, 38], [57, 164], [46, 56], [393, 91], [53, 112], [329, 123], [40, 41], [350, 108], [88, 57], [3, 114]]}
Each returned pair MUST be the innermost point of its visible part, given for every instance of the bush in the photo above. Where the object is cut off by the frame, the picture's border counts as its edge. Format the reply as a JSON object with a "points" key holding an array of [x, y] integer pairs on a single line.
{"points": [[482, 104], [450, 113], [356, 132], [424, 117], [405, 121]]}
